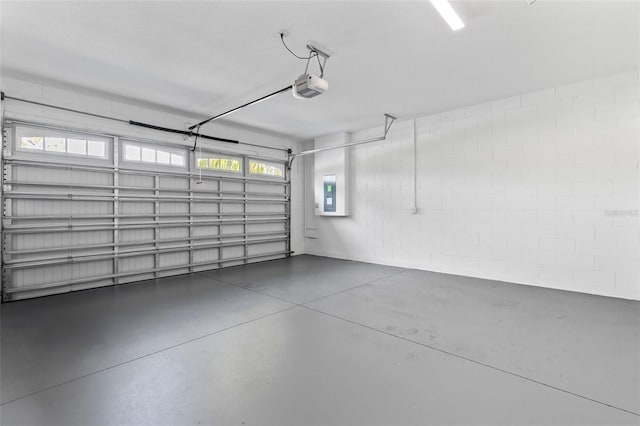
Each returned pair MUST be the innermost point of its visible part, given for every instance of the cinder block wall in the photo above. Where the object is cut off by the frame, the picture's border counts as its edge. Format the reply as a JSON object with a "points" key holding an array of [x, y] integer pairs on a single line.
{"points": [[541, 188]]}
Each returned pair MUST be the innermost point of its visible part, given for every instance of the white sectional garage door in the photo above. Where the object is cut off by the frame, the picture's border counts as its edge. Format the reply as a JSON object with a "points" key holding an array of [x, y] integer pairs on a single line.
{"points": [[85, 210]]}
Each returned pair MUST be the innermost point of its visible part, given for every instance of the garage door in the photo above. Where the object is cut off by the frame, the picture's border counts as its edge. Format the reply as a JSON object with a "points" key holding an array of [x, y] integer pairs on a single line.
{"points": [[84, 210]]}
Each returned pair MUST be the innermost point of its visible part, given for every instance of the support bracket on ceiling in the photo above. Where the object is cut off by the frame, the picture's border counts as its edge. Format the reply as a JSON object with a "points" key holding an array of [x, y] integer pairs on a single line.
{"points": [[322, 52], [388, 122]]}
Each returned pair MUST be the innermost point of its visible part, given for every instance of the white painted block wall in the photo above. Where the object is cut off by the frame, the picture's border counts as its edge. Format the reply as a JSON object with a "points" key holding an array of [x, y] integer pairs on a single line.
{"points": [[541, 189], [113, 107]]}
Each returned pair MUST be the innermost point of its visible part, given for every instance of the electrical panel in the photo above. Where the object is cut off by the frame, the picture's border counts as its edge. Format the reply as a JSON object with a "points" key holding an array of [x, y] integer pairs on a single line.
{"points": [[329, 193], [330, 176]]}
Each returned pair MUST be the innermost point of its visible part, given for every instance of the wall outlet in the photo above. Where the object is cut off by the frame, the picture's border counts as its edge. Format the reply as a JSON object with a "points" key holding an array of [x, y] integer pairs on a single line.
{"points": [[413, 210]]}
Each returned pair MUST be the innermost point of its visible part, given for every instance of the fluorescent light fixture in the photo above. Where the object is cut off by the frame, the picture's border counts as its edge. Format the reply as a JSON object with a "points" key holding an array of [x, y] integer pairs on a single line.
{"points": [[448, 14]]}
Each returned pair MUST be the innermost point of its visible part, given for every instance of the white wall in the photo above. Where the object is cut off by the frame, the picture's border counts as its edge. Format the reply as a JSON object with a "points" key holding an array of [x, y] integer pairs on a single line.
{"points": [[93, 103], [540, 189]]}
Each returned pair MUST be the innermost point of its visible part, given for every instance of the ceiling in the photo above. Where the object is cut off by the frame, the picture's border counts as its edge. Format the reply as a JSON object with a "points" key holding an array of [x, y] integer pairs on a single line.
{"points": [[203, 58]]}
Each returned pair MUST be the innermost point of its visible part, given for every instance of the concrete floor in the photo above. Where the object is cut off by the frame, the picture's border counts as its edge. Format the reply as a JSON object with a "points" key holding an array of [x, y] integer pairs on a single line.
{"points": [[312, 340]]}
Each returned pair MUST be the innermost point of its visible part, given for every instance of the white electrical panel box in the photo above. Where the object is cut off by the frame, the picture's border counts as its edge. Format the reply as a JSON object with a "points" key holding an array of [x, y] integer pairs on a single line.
{"points": [[330, 176]]}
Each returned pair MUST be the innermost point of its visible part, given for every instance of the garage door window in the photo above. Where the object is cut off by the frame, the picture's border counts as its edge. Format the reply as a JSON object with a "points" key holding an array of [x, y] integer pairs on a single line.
{"points": [[45, 141], [223, 164], [141, 153], [266, 169]]}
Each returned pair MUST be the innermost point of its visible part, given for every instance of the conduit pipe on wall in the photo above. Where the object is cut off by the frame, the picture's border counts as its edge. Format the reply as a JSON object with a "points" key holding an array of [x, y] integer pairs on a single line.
{"points": [[388, 121]]}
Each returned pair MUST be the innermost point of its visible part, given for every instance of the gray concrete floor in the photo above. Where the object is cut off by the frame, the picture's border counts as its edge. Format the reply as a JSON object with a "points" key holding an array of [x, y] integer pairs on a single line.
{"points": [[318, 341]]}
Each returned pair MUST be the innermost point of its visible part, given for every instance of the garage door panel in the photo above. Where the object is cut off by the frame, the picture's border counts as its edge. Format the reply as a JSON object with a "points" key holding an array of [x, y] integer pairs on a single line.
{"points": [[205, 184], [266, 248], [232, 187], [278, 227], [174, 183], [206, 231], [174, 233], [44, 207], [49, 188], [31, 293], [232, 252], [265, 188], [136, 207], [86, 238], [137, 264], [135, 223], [35, 276], [91, 270], [40, 207], [202, 207], [91, 284], [266, 208], [92, 207], [174, 259], [133, 277], [174, 207], [172, 272], [232, 208], [40, 241], [135, 235], [64, 208], [206, 255], [28, 277], [36, 174], [231, 229], [230, 263], [71, 224], [142, 181], [33, 173]]}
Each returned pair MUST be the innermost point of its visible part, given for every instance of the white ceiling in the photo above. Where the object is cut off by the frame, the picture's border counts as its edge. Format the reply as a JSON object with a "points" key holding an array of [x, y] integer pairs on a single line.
{"points": [[206, 57]]}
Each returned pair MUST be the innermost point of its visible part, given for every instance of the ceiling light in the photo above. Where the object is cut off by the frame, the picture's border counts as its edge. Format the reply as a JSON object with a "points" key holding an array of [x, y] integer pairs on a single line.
{"points": [[448, 14]]}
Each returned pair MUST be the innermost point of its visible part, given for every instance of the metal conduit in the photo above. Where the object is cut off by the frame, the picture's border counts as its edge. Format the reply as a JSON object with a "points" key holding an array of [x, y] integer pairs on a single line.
{"points": [[388, 122]]}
